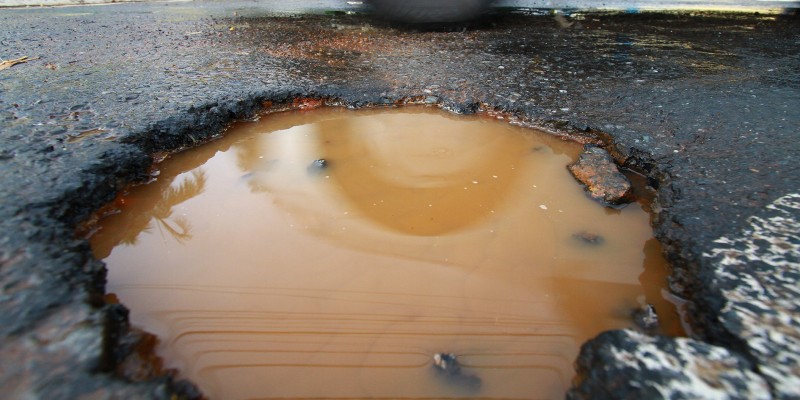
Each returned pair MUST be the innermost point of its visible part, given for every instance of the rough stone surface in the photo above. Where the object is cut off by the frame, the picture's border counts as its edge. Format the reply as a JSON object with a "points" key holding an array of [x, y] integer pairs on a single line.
{"points": [[705, 105], [597, 171], [756, 273], [62, 357], [625, 364]]}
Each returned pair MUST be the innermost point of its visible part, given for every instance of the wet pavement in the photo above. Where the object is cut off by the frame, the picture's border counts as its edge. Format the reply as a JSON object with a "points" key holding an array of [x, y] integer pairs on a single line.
{"points": [[706, 105]]}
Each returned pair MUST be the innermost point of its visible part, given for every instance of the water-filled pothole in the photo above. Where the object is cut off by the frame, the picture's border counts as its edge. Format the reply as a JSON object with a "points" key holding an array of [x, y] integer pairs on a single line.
{"points": [[332, 253]]}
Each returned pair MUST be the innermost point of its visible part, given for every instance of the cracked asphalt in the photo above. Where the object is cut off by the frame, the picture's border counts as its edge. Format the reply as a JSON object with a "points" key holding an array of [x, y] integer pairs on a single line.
{"points": [[706, 105]]}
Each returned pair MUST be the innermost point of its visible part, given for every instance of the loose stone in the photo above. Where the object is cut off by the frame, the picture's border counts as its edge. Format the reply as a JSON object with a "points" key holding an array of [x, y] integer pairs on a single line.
{"points": [[448, 367], [597, 171], [646, 318], [318, 165], [588, 237]]}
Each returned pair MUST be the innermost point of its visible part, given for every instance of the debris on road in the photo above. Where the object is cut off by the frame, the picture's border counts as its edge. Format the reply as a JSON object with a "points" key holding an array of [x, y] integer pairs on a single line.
{"points": [[596, 169], [646, 319], [6, 64]]}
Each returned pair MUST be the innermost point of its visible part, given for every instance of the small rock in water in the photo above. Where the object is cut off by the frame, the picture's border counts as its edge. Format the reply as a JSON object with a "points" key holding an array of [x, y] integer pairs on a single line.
{"points": [[646, 318], [448, 367], [596, 169], [318, 165], [446, 362], [588, 237]]}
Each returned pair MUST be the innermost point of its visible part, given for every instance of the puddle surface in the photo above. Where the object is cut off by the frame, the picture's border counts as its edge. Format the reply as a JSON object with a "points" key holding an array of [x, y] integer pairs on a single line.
{"points": [[267, 275]]}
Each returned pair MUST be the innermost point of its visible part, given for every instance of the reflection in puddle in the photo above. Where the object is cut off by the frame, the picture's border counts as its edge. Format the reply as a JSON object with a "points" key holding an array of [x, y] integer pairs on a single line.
{"points": [[269, 275]]}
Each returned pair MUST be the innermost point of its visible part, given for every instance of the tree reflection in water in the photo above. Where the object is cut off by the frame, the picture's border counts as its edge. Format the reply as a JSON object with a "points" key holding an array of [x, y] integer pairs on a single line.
{"points": [[179, 227], [153, 206]]}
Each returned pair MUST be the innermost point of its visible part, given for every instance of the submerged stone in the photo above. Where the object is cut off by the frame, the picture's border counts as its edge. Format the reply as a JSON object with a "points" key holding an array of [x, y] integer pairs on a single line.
{"points": [[596, 169], [446, 362], [317, 166], [448, 367], [589, 238]]}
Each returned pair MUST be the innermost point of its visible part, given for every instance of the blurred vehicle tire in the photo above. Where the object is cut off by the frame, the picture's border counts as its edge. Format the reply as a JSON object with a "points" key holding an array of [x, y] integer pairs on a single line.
{"points": [[430, 11]]}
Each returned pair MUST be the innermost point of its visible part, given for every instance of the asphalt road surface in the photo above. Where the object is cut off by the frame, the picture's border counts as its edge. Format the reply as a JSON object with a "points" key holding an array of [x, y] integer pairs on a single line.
{"points": [[707, 106]]}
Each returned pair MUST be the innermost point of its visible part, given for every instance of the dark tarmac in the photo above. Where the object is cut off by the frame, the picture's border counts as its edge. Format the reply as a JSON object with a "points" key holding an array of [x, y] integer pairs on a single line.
{"points": [[707, 106]]}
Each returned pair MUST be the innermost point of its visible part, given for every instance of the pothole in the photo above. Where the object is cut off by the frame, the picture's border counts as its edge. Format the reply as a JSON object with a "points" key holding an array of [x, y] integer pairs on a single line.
{"points": [[404, 253]]}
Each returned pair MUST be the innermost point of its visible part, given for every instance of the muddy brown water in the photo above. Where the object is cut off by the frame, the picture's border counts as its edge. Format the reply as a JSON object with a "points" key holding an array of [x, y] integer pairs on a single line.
{"points": [[266, 275]]}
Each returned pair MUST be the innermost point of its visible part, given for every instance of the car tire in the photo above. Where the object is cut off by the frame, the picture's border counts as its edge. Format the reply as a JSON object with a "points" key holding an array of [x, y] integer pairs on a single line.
{"points": [[430, 11]]}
